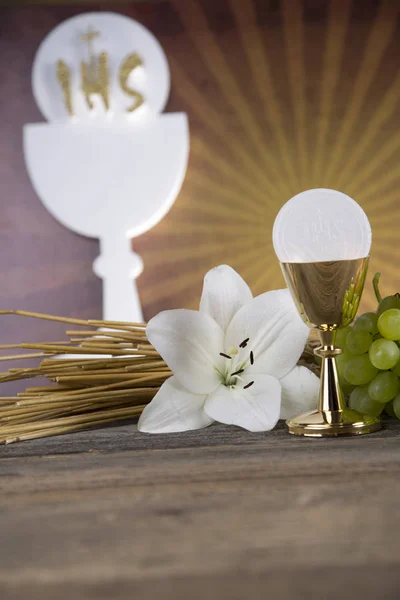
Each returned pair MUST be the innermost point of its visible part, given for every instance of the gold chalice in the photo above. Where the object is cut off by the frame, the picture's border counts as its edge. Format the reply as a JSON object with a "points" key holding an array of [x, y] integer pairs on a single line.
{"points": [[326, 292]]}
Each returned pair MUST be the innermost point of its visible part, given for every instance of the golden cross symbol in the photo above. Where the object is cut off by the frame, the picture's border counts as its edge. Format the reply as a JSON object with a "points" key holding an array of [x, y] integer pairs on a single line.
{"points": [[89, 37]]}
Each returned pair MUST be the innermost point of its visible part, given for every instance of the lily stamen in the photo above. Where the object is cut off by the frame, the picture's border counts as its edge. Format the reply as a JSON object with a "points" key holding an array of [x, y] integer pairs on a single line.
{"points": [[225, 355], [237, 372], [248, 385], [251, 358], [244, 343]]}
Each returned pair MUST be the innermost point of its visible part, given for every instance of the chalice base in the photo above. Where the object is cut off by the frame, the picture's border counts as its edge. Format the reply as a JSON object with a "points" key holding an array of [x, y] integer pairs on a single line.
{"points": [[333, 423]]}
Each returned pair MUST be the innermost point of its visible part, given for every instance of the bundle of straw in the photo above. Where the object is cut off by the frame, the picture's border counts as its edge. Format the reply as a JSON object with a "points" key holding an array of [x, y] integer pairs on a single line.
{"points": [[111, 376]]}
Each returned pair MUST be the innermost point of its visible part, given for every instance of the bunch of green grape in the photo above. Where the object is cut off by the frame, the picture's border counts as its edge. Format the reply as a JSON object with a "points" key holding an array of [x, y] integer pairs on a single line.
{"points": [[369, 366]]}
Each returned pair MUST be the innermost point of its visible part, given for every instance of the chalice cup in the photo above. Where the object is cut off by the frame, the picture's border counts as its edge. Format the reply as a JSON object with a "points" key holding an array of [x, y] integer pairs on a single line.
{"points": [[327, 295]]}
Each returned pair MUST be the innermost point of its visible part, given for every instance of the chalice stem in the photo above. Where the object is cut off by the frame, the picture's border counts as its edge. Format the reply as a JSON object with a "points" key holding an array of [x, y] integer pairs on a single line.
{"points": [[121, 300], [119, 267], [331, 397]]}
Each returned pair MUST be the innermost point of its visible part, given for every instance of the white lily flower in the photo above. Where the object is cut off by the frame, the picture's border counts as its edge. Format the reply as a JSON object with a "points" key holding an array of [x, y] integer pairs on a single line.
{"points": [[234, 361]]}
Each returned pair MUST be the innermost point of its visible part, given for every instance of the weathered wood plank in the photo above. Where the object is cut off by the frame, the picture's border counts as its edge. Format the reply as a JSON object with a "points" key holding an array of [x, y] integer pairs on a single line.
{"points": [[219, 513], [126, 437], [346, 583]]}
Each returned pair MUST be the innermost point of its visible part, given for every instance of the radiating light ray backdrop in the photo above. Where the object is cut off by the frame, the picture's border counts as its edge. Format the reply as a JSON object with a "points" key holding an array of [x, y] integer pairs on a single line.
{"points": [[281, 96]]}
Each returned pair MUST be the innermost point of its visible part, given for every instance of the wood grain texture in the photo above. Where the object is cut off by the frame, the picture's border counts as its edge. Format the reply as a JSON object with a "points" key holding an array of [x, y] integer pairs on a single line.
{"points": [[218, 513]]}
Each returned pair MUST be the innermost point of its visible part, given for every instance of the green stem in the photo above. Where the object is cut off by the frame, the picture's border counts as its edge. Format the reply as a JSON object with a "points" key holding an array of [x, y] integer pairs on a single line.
{"points": [[375, 284]]}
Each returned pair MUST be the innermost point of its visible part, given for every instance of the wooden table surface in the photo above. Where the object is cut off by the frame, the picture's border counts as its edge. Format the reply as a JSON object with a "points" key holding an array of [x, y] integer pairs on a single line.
{"points": [[218, 514]]}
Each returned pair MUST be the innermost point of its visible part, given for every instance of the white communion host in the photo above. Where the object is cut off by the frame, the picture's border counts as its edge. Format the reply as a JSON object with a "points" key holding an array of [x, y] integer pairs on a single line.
{"points": [[321, 225]]}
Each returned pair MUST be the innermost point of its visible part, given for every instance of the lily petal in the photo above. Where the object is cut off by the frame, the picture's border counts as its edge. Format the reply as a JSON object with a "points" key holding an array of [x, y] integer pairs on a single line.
{"points": [[256, 408], [224, 292], [190, 343], [300, 389], [276, 333], [174, 409]]}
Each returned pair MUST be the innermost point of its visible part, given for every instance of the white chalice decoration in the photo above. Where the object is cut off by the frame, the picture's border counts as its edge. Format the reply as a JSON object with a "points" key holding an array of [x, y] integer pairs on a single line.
{"points": [[107, 164]]}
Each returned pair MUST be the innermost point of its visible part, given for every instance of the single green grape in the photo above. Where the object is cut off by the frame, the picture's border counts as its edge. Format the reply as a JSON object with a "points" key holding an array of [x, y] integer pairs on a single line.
{"points": [[388, 302], [341, 361], [384, 387], [341, 336], [384, 354], [359, 370], [367, 322], [389, 324], [396, 406], [389, 408], [361, 402], [358, 342]]}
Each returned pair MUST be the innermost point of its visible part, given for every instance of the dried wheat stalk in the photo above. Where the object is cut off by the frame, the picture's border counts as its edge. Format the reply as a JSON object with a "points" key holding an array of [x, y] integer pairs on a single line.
{"points": [[111, 376]]}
